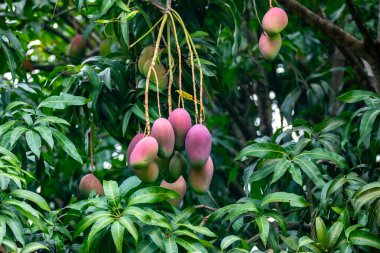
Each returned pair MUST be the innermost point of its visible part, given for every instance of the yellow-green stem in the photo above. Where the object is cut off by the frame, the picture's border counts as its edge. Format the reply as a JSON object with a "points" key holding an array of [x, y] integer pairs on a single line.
{"points": [[170, 70], [149, 31]]}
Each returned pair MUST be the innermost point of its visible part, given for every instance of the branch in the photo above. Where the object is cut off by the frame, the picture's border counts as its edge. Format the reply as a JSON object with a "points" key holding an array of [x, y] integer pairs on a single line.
{"points": [[156, 4], [337, 34], [378, 26], [212, 209], [359, 22]]}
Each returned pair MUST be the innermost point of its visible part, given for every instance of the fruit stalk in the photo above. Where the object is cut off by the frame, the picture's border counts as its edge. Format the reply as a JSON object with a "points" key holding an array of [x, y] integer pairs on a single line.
{"points": [[170, 69], [92, 166], [152, 64], [158, 93]]}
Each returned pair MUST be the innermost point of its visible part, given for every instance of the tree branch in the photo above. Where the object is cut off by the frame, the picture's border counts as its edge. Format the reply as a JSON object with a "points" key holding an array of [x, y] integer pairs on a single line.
{"points": [[359, 22], [337, 34], [206, 207], [378, 25]]}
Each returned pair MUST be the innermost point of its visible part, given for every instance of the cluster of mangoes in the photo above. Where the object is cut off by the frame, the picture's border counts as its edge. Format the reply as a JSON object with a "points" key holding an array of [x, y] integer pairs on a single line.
{"points": [[160, 154], [143, 65], [274, 21]]}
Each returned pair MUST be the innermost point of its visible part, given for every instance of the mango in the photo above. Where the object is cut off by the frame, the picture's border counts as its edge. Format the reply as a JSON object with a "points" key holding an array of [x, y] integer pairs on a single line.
{"points": [[146, 54], [105, 47], [88, 183], [176, 166], [144, 153], [270, 46], [132, 144], [77, 46], [163, 132], [198, 145], [161, 74], [179, 186], [181, 122], [148, 175], [274, 21], [163, 166], [200, 179]]}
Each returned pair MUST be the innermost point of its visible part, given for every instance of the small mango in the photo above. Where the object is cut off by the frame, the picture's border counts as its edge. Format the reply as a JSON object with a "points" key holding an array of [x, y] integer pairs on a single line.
{"points": [[198, 145], [200, 179], [179, 186], [181, 122]]}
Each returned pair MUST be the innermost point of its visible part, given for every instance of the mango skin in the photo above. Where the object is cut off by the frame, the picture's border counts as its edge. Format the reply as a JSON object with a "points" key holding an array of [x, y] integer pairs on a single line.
{"points": [[176, 166], [146, 54], [181, 122], [132, 144], [144, 153], [148, 175], [200, 179], [88, 183], [179, 186], [77, 46], [163, 132], [198, 145], [274, 21], [270, 46], [161, 74]]}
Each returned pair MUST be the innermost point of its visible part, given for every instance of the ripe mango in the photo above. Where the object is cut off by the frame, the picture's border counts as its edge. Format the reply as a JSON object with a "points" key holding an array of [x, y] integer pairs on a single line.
{"points": [[146, 54], [144, 153], [181, 122], [200, 179], [179, 186], [163, 132], [149, 174], [176, 166], [198, 145], [77, 46], [274, 21], [270, 46], [132, 144], [88, 183]]}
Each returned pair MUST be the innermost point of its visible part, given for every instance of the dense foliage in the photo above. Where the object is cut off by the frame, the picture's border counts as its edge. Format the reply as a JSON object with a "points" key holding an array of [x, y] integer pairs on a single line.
{"points": [[295, 141]]}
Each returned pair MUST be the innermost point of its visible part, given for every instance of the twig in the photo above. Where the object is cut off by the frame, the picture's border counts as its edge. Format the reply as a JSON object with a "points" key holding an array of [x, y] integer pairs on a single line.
{"points": [[211, 197], [206, 207], [92, 166]]}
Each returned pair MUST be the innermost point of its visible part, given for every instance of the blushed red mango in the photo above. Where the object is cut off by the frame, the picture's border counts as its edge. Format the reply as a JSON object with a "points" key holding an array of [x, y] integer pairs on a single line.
{"points": [[200, 179], [274, 21], [179, 186], [144, 153], [181, 122], [198, 145], [270, 46], [149, 174], [163, 132], [132, 144], [88, 183]]}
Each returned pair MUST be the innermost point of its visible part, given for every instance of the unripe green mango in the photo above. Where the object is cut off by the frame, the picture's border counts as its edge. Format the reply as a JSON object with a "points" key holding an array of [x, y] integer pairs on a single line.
{"points": [[144, 153], [198, 145], [163, 132], [146, 54], [270, 46], [161, 74], [77, 46], [105, 47], [181, 122], [200, 179], [149, 174], [90, 183], [176, 166], [179, 186], [274, 21]]}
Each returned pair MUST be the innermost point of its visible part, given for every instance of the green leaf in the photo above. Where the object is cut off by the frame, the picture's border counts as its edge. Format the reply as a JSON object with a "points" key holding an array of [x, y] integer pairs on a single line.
{"points": [[198, 229], [293, 199], [263, 224], [67, 145], [364, 238], [322, 154], [228, 241], [117, 231], [100, 223], [31, 196], [170, 244], [280, 169], [106, 6], [321, 232], [261, 150], [311, 170], [88, 220], [129, 184], [366, 124], [125, 123], [334, 233], [46, 134], [152, 194], [34, 142], [280, 219], [296, 174], [6, 126], [62, 101], [128, 224], [16, 228], [15, 104], [51, 119], [111, 190], [16, 134], [191, 246], [10, 244], [329, 125], [354, 96], [3, 230], [33, 247], [92, 75], [10, 61]]}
